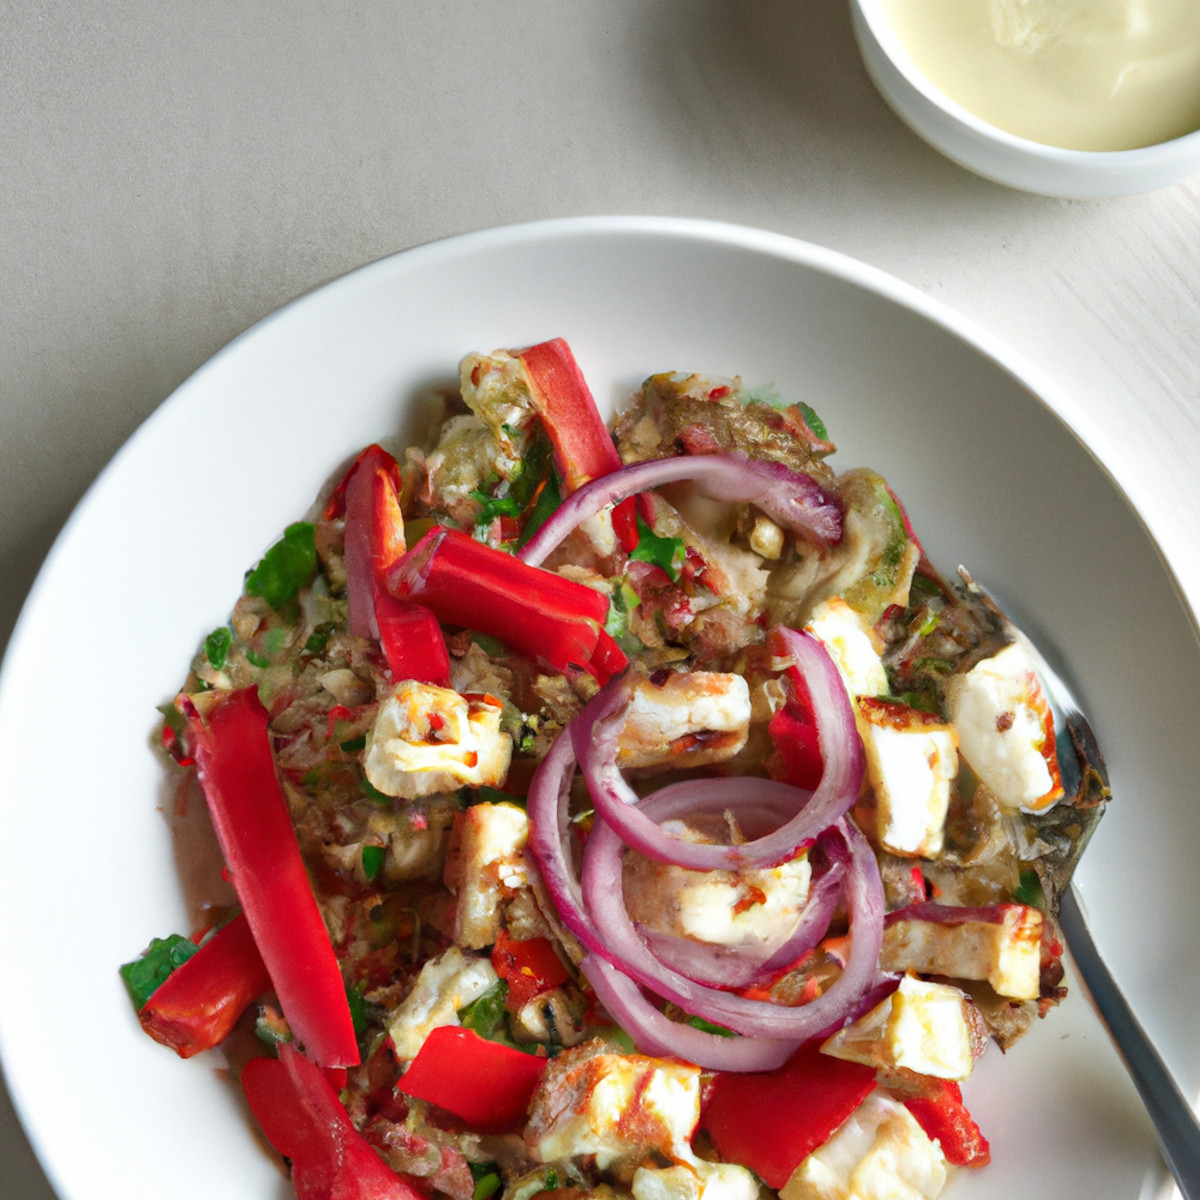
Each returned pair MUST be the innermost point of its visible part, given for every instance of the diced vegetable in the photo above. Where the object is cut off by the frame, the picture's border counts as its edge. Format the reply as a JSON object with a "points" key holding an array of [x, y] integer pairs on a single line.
{"points": [[771, 1122], [486, 1084], [237, 772], [197, 1005], [940, 1111], [145, 975], [529, 967], [299, 1111], [551, 619]]}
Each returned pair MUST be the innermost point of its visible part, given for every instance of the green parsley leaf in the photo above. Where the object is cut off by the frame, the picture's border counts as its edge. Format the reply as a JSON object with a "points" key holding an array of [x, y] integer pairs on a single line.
{"points": [[372, 860], [287, 566], [216, 646], [145, 975], [664, 552]]}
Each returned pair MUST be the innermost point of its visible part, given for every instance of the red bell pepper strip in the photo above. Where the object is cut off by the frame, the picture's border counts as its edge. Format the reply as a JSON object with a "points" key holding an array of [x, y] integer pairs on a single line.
{"points": [[583, 446], [529, 966], [940, 1111], [299, 1111], [804, 1102], [551, 619], [196, 1006], [486, 1084], [232, 749], [408, 634]]}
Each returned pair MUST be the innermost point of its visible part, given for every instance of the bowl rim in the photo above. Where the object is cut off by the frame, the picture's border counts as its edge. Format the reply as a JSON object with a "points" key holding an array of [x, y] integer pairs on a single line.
{"points": [[871, 19]]}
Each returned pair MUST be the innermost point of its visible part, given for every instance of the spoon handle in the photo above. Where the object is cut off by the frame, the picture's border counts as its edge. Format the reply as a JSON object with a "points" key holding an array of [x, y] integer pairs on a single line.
{"points": [[1173, 1117]]}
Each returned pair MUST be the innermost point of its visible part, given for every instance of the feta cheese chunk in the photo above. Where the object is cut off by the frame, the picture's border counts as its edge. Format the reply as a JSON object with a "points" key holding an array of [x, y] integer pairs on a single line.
{"points": [[852, 644], [684, 719], [696, 1180], [1006, 730], [445, 985], [1002, 945], [922, 1026], [613, 1106], [429, 739], [485, 866], [912, 759], [879, 1153], [726, 908]]}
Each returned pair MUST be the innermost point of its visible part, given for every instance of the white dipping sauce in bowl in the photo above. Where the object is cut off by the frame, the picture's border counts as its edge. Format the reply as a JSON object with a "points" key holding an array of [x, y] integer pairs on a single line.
{"points": [[1081, 74], [1072, 98]]}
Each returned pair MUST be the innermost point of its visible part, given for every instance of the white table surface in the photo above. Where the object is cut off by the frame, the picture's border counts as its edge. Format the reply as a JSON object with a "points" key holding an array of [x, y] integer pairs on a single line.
{"points": [[172, 173]]}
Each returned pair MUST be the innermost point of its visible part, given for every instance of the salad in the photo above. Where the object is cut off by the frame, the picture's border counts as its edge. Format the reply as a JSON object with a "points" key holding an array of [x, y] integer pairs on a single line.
{"points": [[625, 809]]}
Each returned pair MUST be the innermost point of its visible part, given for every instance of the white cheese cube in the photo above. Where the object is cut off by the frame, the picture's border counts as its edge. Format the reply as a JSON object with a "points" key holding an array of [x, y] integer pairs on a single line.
{"points": [[1002, 947], [922, 1026], [684, 719], [1006, 729], [852, 644], [445, 985], [614, 1105], [429, 739], [485, 866], [879, 1153], [695, 1180], [912, 759]]}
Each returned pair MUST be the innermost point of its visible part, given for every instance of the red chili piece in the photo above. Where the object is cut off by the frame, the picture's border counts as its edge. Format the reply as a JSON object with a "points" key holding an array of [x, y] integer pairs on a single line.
{"points": [[529, 967], [551, 619], [583, 446], [196, 1006], [299, 1111], [940, 1111], [408, 634], [485, 1084], [237, 772], [806, 1100]]}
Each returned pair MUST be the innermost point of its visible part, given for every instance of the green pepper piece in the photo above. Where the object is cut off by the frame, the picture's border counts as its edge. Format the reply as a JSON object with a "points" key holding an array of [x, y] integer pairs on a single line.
{"points": [[286, 567], [145, 975]]}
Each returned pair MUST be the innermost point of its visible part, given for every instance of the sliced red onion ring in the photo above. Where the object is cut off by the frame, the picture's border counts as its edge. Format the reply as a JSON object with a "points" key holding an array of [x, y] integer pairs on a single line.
{"points": [[619, 944], [742, 966], [596, 731], [790, 498], [655, 1033]]}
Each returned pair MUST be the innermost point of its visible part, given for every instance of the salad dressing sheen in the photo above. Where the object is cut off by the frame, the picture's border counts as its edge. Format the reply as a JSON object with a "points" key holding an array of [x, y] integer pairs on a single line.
{"points": [[1080, 74]]}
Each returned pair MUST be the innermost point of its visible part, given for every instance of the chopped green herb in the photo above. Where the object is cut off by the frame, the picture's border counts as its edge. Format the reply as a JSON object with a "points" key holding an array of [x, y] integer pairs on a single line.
{"points": [[372, 860], [373, 794], [493, 647], [358, 1010], [319, 638], [286, 567], [664, 552], [255, 659], [486, 1013], [487, 1179], [145, 975], [814, 421], [548, 499], [708, 1027], [622, 604], [216, 646], [354, 745], [1029, 890], [270, 1028]]}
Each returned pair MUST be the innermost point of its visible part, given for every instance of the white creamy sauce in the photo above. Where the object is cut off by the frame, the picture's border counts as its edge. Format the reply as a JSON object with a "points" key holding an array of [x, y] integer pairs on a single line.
{"points": [[1081, 74]]}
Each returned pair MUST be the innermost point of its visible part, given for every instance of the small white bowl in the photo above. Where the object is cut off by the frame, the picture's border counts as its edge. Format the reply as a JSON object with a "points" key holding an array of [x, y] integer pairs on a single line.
{"points": [[1000, 156]]}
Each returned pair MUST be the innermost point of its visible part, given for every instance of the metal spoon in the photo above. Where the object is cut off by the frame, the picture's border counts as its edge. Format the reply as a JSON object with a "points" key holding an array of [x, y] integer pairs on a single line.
{"points": [[1173, 1116]]}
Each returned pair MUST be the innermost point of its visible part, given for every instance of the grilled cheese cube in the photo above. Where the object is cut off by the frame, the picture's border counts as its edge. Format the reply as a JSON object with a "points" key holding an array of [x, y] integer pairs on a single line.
{"points": [[1006, 730], [912, 759], [429, 739], [684, 719], [695, 1180], [1002, 945], [613, 1106], [445, 985], [879, 1153], [485, 866], [922, 1026], [852, 644]]}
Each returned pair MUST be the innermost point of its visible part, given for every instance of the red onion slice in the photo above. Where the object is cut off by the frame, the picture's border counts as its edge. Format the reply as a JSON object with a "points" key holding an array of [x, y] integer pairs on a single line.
{"points": [[742, 966], [790, 498], [620, 945], [596, 730], [654, 1033]]}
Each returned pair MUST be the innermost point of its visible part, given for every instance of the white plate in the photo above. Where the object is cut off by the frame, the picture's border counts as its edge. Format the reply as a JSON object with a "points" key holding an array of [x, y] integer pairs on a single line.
{"points": [[153, 559]]}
